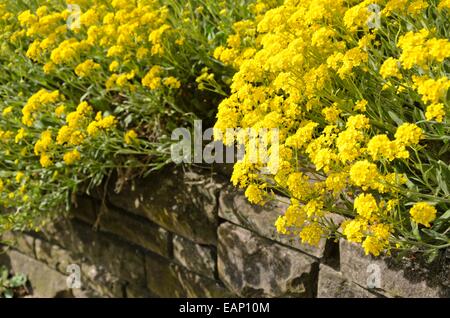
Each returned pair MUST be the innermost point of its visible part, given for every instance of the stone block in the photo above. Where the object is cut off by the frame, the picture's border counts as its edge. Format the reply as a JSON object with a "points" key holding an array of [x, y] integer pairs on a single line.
{"points": [[167, 279], [140, 232], [183, 202], [333, 285], [22, 242], [197, 258], [252, 266], [386, 275], [106, 252]]}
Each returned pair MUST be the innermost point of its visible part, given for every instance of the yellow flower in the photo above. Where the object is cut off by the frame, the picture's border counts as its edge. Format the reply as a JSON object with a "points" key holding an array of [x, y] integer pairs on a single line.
{"points": [[373, 245], [19, 176], [76, 138], [93, 128], [64, 134], [20, 135], [444, 4], [363, 173], [432, 90], [280, 225], [354, 229], [360, 105], [423, 213], [415, 51], [435, 112], [390, 68], [408, 134], [7, 111], [254, 194], [417, 6], [130, 137], [86, 68], [71, 157], [43, 143], [59, 111], [171, 82], [45, 161], [311, 234], [381, 231], [358, 122], [365, 205], [381, 147], [107, 122], [331, 113], [336, 182], [152, 79], [114, 66]]}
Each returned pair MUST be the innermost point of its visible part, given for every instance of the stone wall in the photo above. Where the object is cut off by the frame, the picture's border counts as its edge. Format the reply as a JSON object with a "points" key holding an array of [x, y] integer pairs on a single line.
{"points": [[187, 233]]}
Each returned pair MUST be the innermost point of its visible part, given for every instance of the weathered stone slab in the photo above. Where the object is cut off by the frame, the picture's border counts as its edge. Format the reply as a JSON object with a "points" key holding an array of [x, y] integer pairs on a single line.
{"points": [[252, 266], [114, 256], [333, 285], [53, 255], [140, 232], [234, 207], [197, 258], [22, 242], [392, 280], [96, 278], [167, 279], [182, 202], [45, 282]]}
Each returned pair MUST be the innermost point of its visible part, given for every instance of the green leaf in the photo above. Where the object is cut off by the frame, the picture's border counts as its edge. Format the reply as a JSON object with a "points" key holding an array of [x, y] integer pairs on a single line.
{"points": [[395, 118], [435, 235], [445, 216]]}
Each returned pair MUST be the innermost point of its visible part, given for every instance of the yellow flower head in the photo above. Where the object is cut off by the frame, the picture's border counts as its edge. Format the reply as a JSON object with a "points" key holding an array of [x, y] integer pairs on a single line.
{"points": [[423, 213], [408, 134], [365, 205], [311, 234], [435, 112], [71, 157], [254, 194], [130, 137], [7, 111]]}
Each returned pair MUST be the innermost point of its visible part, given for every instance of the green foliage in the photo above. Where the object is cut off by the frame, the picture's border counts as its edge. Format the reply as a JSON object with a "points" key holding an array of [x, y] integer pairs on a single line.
{"points": [[10, 283]]}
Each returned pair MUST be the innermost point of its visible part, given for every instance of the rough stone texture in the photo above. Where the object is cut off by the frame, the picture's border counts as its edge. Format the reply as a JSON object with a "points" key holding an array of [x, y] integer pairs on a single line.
{"points": [[245, 261], [95, 278], [84, 243], [53, 255], [167, 279], [22, 242], [333, 285], [394, 282], [45, 282], [140, 232], [234, 207], [160, 237], [182, 202], [197, 258]]}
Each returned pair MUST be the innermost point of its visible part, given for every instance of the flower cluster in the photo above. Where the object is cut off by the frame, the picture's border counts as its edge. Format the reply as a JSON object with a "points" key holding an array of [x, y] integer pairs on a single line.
{"points": [[359, 93], [90, 86]]}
